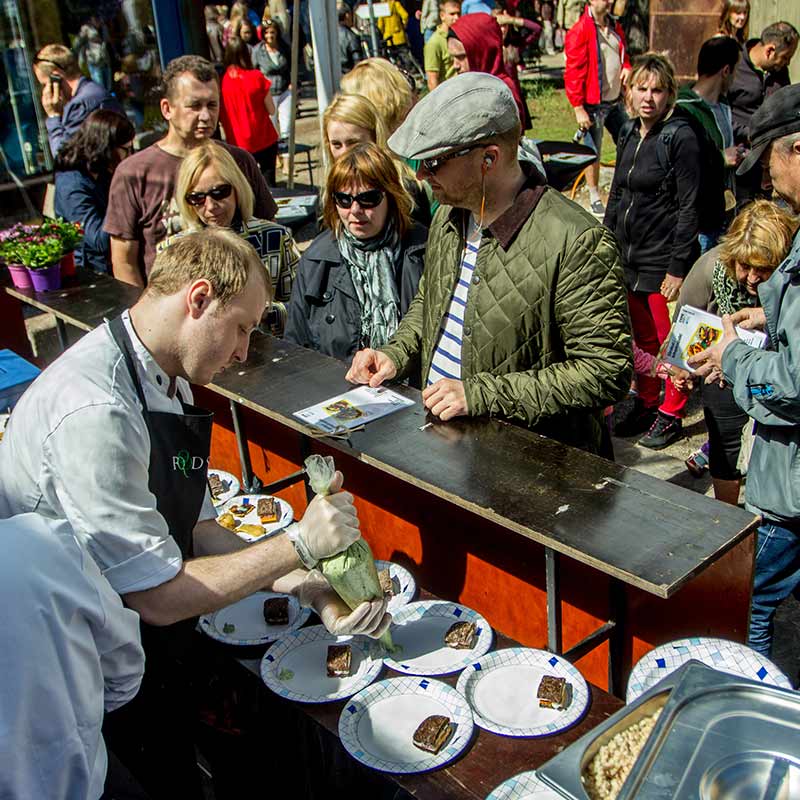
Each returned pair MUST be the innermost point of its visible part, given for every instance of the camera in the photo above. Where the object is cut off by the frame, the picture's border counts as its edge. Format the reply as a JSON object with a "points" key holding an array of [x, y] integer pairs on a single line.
{"points": [[580, 135]]}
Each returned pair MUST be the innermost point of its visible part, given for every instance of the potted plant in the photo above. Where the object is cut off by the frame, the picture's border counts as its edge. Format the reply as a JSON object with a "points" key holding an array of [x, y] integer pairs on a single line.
{"points": [[42, 256], [12, 243], [71, 235]]}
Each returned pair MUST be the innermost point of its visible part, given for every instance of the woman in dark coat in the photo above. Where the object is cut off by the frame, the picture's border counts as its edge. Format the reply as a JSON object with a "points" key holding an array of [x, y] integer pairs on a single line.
{"points": [[83, 170], [357, 279], [653, 211]]}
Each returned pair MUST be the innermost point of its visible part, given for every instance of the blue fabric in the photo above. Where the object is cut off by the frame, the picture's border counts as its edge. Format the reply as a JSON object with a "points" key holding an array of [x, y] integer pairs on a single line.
{"points": [[776, 577], [79, 198], [88, 97], [475, 7]]}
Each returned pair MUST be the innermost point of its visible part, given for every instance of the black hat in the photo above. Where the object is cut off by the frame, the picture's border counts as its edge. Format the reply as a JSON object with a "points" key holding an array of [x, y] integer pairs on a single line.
{"points": [[778, 116]]}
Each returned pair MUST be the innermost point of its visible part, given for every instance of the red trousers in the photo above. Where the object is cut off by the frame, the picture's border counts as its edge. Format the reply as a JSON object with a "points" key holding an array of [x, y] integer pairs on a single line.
{"points": [[651, 323]]}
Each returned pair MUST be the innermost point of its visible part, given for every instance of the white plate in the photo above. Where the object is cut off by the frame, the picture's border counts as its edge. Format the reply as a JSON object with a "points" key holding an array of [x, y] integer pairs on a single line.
{"points": [[720, 654], [377, 725], [403, 580], [294, 667], [523, 786], [233, 489], [247, 618], [251, 518], [419, 628], [501, 690]]}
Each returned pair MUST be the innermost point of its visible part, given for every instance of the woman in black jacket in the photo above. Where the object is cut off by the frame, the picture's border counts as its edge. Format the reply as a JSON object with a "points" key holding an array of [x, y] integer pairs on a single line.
{"points": [[357, 279], [652, 210]]}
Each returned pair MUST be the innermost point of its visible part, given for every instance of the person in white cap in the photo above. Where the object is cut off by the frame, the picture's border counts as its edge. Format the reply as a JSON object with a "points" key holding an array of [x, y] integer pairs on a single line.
{"points": [[521, 312]]}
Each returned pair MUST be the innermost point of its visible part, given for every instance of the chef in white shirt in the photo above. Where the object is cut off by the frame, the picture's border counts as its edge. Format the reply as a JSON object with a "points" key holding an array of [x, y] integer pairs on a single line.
{"points": [[69, 650], [107, 438]]}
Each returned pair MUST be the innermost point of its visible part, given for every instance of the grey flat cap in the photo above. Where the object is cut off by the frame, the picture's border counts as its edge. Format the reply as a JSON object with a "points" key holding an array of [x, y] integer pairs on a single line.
{"points": [[464, 109]]}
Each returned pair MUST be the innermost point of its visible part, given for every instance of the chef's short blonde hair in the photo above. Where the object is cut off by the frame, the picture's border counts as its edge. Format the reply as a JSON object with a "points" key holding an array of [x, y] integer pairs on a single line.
{"points": [[217, 255]]}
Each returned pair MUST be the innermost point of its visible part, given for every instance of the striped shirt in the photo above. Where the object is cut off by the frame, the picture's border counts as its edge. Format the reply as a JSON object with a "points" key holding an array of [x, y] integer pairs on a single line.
{"points": [[446, 362]]}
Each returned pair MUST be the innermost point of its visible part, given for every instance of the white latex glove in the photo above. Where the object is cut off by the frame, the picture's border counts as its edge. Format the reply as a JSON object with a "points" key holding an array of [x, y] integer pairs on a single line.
{"points": [[329, 525], [369, 619]]}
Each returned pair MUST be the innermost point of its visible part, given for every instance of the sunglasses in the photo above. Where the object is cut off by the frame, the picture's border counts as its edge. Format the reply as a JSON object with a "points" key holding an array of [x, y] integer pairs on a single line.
{"points": [[432, 164], [372, 198], [217, 193]]}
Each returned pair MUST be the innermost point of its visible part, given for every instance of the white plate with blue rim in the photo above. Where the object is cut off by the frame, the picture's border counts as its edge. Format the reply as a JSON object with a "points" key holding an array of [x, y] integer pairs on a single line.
{"points": [[377, 726], [524, 786], [404, 587], [418, 629], [721, 654], [243, 622], [295, 666], [246, 506], [501, 689], [230, 484]]}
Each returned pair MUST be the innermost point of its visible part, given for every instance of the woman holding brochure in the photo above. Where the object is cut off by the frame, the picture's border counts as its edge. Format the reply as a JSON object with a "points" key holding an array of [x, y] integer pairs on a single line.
{"points": [[357, 279], [725, 280]]}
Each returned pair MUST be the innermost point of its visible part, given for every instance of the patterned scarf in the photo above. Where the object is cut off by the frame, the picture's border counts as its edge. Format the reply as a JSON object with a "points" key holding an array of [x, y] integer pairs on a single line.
{"points": [[730, 295], [372, 267]]}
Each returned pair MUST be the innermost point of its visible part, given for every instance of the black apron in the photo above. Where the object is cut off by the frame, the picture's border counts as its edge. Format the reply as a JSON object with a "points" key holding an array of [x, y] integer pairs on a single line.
{"points": [[153, 735]]}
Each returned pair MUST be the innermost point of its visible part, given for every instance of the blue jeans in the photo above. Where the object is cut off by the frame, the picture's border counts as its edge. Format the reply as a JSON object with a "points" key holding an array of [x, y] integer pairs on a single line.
{"points": [[777, 575]]}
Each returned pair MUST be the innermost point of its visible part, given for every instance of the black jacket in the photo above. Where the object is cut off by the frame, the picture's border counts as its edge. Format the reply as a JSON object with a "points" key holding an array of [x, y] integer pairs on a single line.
{"points": [[324, 312], [652, 207], [350, 51], [279, 74], [749, 89]]}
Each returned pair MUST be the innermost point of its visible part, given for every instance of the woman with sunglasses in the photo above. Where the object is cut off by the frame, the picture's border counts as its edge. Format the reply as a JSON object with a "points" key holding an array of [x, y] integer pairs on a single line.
{"points": [[357, 279], [83, 170], [212, 190]]}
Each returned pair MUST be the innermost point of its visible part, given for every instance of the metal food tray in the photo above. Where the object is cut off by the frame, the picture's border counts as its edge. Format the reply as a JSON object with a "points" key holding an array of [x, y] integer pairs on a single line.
{"points": [[719, 737], [563, 772]]}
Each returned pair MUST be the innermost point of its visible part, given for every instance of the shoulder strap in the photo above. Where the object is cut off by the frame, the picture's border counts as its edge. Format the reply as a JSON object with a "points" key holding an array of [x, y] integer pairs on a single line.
{"points": [[120, 336]]}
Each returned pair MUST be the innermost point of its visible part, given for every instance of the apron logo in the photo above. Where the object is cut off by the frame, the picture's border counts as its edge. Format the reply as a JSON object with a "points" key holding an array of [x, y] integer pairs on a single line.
{"points": [[183, 462]]}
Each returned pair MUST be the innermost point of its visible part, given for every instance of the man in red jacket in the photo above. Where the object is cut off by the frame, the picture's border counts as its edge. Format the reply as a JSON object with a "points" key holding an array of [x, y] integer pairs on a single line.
{"points": [[597, 69]]}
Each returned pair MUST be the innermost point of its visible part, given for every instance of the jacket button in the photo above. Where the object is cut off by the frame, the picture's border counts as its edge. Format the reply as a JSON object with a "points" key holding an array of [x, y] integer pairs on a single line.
{"points": [[329, 318], [327, 296], [476, 279], [468, 331]]}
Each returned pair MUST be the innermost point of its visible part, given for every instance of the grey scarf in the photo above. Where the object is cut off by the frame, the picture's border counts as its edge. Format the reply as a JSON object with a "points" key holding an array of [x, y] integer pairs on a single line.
{"points": [[371, 263]]}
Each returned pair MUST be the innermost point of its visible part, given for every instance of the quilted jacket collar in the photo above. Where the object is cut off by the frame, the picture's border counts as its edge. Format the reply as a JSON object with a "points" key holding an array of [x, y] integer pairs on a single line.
{"points": [[505, 228]]}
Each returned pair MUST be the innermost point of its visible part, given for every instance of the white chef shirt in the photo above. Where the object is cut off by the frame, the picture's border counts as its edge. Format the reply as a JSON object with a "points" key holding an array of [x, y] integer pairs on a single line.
{"points": [[69, 651], [77, 448]]}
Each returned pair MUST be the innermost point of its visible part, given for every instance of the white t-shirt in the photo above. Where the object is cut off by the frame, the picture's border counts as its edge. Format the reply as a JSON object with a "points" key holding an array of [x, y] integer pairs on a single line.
{"points": [[76, 448], [69, 652]]}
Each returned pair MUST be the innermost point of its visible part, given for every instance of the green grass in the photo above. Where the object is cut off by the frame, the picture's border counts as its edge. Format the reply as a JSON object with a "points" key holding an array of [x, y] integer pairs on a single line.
{"points": [[554, 117]]}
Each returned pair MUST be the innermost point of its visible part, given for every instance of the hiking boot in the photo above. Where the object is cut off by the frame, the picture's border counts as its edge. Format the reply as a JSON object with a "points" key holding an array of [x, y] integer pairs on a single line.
{"points": [[664, 432], [639, 419], [598, 209]]}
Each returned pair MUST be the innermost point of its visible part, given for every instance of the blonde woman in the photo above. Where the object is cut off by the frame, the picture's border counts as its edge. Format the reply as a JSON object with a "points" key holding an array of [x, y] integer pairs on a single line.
{"points": [[384, 86], [213, 191], [725, 280], [357, 279], [349, 120]]}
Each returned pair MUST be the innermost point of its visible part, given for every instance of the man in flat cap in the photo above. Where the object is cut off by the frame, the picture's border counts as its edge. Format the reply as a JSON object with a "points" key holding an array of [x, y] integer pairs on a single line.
{"points": [[766, 383], [521, 313]]}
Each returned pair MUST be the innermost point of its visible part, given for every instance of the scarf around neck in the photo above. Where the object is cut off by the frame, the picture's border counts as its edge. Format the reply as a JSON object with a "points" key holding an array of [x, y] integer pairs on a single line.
{"points": [[730, 295], [371, 263]]}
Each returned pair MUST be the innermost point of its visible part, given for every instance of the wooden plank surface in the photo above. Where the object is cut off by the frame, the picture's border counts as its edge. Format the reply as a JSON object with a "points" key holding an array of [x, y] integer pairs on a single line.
{"points": [[642, 530]]}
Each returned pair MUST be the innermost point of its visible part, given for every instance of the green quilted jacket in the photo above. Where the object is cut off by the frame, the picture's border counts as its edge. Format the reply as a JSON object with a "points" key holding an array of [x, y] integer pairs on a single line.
{"points": [[546, 332]]}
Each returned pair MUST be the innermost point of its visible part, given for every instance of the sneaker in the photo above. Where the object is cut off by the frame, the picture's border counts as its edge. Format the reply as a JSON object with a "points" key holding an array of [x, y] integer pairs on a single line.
{"points": [[639, 419], [697, 463], [664, 431], [598, 209]]}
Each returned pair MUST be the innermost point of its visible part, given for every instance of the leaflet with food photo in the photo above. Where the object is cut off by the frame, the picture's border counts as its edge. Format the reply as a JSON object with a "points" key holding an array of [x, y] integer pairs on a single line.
{"points": [[353, 408], [694, 331]]}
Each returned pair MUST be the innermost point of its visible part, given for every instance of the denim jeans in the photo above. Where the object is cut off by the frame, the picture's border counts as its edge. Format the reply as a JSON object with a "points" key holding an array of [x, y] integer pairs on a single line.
{"points": [[777, 574]]}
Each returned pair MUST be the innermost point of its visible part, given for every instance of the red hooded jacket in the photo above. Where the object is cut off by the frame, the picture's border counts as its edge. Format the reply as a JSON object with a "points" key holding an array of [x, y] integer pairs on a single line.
{"points": [[583, 70], [483, 43]]}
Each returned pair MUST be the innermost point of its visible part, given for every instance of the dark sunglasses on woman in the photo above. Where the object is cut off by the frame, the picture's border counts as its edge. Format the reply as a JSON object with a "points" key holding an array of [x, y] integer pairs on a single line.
{"points": [[220, 192], [370, 199]]}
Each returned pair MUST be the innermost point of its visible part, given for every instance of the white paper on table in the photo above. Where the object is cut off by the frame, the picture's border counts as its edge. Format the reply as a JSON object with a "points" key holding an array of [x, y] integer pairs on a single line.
{"points": [[354, 408], [694, 331]]}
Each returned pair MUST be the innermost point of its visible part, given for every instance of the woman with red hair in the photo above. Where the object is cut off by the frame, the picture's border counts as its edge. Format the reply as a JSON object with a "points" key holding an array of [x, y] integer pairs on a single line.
{"points": [[476, 45]]}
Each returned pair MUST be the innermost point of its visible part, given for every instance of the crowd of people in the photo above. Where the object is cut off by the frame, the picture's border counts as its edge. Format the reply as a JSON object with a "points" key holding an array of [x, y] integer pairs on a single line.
{"points": [[445, 260]]}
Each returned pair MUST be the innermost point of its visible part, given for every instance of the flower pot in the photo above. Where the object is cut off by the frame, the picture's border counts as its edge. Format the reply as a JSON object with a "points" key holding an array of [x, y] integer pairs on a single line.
{"points": [[47, 278], [68, 265], [20, 276]]}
